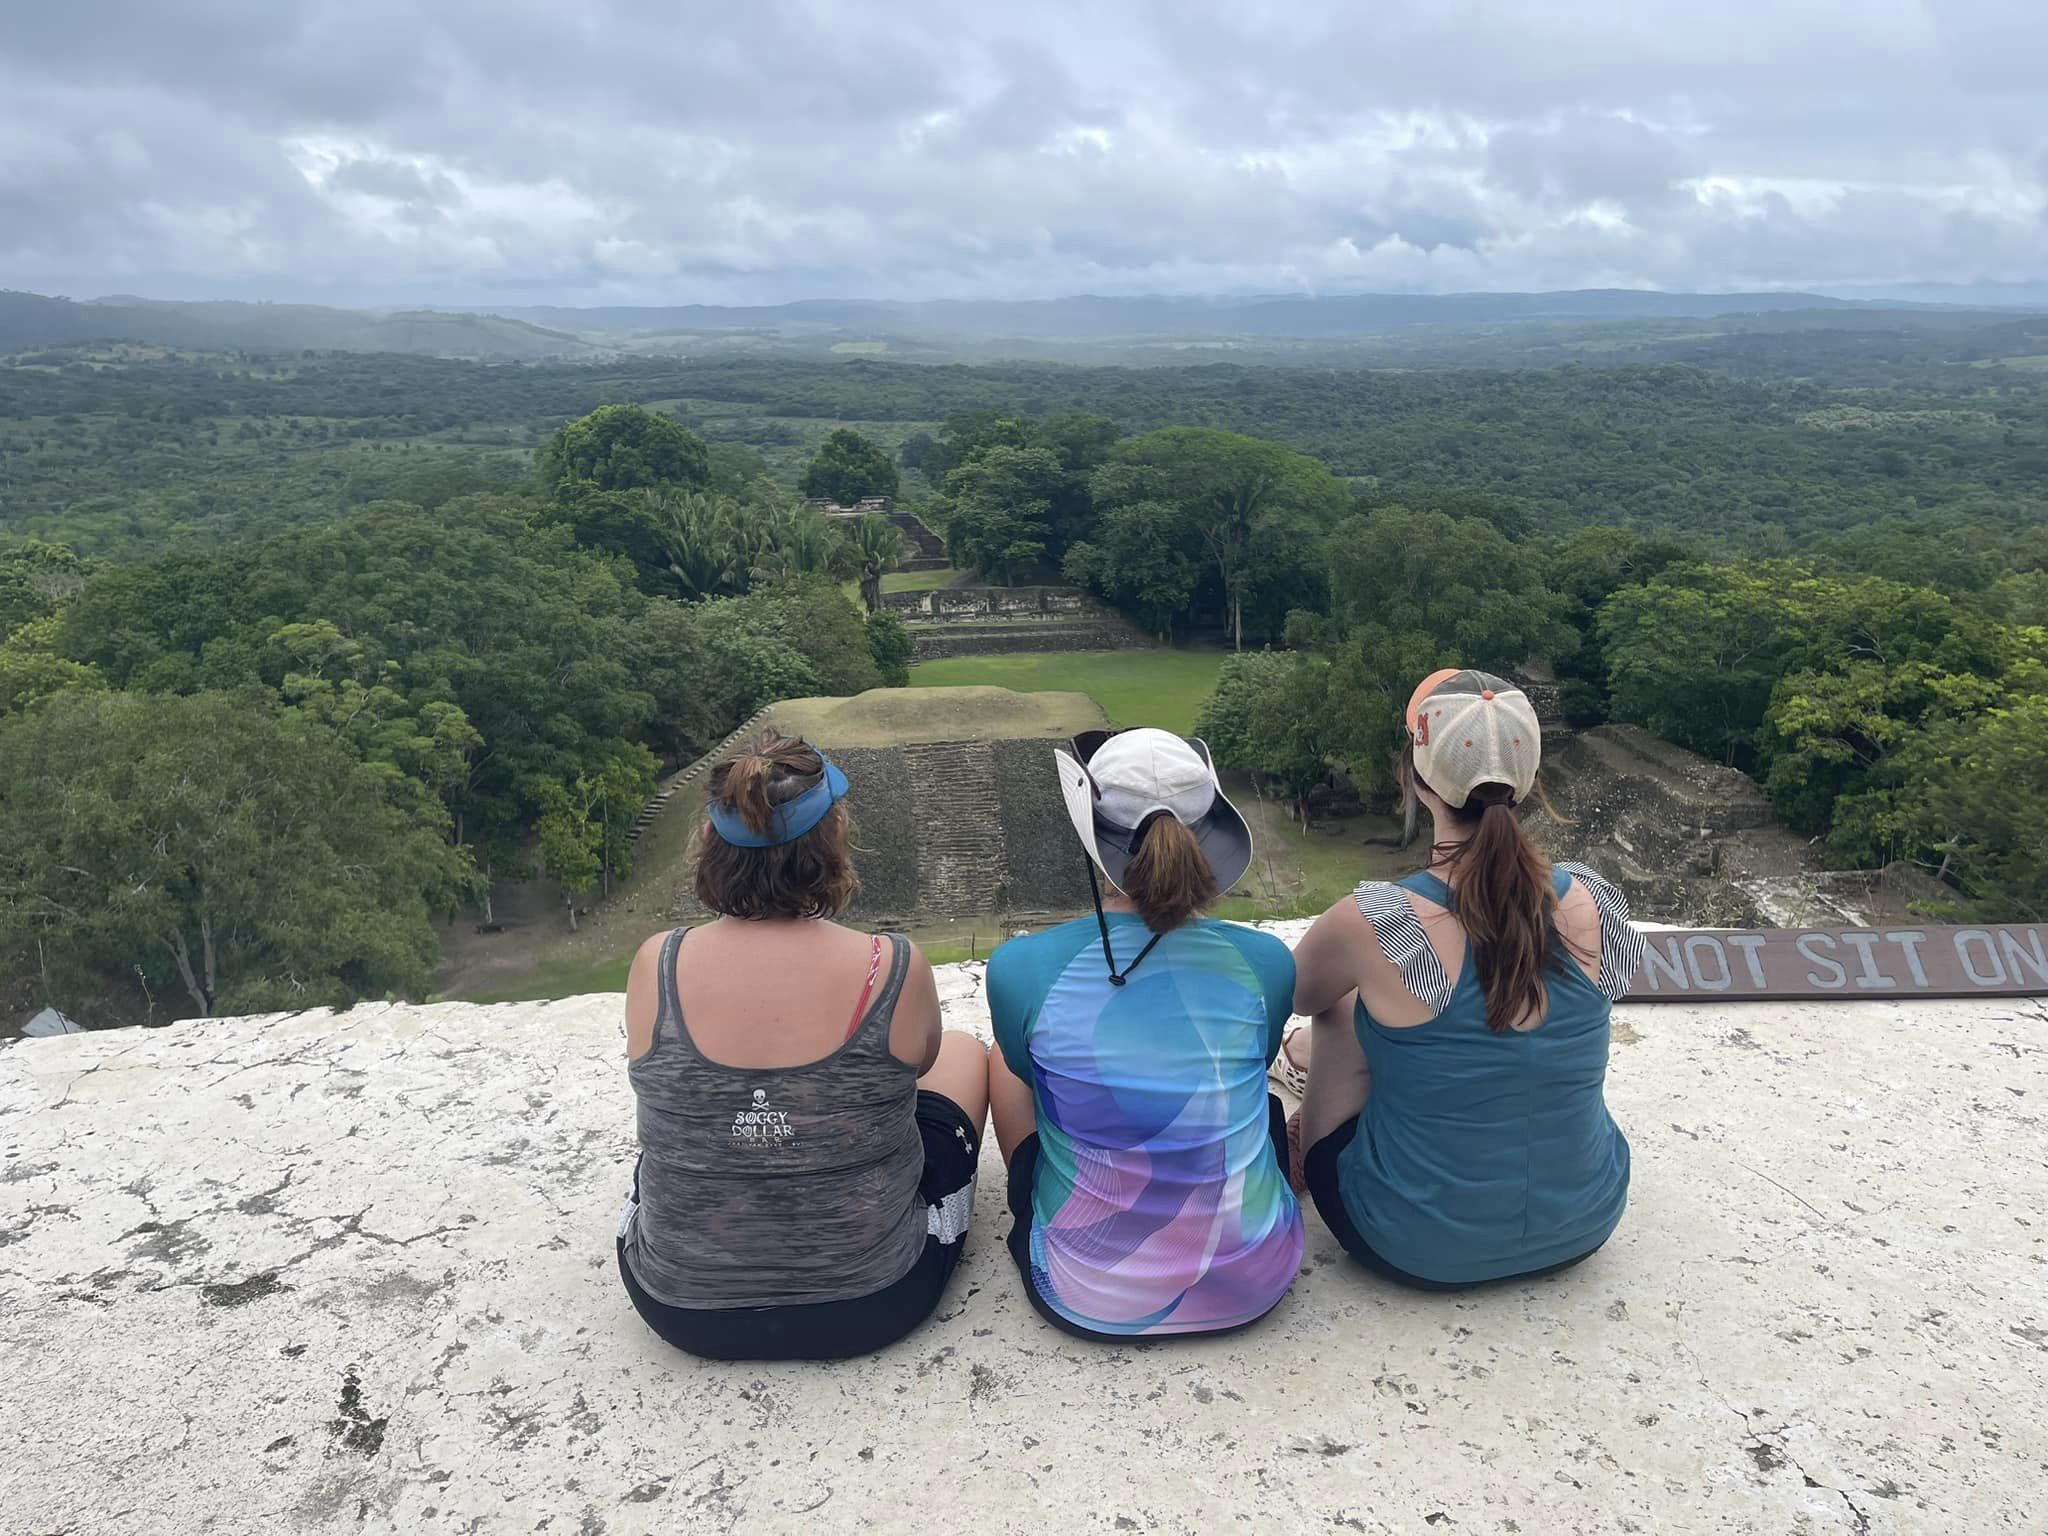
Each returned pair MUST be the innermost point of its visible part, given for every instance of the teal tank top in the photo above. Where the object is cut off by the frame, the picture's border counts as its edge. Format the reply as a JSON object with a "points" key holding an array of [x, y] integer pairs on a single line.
{"points": [[1482, 1155]]}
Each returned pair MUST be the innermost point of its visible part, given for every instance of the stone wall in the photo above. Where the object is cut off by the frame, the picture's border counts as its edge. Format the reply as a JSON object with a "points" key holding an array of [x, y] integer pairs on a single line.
{"points": [[969, 605], [1016, 639], [992, 621]]}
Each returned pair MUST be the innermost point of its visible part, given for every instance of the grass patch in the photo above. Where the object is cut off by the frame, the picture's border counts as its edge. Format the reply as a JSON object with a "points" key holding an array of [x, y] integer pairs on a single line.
{"points": [[1297, 873], [920, 581], [570, 979], [943, 944], [1166, 688]]}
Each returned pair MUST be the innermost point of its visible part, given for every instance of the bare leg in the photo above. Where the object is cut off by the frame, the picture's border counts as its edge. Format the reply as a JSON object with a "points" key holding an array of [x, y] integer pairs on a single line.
{"points": [[1016, 1111], [1338, 1077], [961, 1074]]}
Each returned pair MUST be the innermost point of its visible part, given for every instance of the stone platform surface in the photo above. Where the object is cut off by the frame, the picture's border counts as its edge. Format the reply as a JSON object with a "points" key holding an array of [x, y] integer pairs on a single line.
{"points": [[355, 1273]]}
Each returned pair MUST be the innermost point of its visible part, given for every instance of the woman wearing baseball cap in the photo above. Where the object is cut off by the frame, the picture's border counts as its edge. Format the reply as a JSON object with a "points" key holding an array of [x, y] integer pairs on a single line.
{"points": [[806, 1172], [1454, 1120], [1129, 1081]]}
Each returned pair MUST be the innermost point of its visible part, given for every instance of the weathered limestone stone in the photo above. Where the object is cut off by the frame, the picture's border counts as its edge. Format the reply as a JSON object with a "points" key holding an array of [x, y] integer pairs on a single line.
{"points": [[312, 1272]]}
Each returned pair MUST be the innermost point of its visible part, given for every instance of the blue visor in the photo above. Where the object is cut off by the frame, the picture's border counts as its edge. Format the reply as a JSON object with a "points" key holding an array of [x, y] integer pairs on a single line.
{"points": [[792, 818]]}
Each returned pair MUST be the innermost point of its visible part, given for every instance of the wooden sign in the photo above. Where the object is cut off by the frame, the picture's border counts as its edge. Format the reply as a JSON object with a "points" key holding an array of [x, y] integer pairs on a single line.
{"points": [[1684, 966]]}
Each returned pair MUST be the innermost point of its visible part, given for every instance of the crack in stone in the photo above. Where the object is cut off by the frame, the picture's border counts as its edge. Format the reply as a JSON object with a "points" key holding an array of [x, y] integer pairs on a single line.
{"points": [[1766, 1447]]}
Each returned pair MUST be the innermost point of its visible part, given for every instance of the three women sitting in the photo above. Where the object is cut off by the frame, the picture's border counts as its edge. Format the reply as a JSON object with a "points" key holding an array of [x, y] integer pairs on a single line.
{"points": [[802, 1191]]}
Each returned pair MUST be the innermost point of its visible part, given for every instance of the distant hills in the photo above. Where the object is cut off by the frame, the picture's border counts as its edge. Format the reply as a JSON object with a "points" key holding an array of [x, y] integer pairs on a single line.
{"points": [[30, 320], [1489, 329], [1303, 317]]}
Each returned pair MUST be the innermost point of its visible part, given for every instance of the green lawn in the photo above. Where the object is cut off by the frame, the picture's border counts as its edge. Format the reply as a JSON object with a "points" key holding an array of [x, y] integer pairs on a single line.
{"points": [[919, 581], [546, 982], [1166, 688]]}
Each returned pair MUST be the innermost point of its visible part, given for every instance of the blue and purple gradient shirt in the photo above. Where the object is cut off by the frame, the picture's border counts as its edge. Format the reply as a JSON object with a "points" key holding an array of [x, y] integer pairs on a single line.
{"points": [[1159, 1205]]}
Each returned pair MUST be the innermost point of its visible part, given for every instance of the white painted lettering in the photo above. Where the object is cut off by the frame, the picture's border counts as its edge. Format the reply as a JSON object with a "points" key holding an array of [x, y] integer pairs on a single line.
{"points": [[1706, 944], [2017, 955], [1910, 940], [1840, 977], [1864, 944], [1663, 962], [1965, 937], [1747, 944]]}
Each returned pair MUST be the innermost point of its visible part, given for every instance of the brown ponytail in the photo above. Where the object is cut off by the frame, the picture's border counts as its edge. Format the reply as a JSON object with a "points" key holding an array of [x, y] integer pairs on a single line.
{"points": [[1168, 880], [742, 783], [810, 877], [1506, 903]]}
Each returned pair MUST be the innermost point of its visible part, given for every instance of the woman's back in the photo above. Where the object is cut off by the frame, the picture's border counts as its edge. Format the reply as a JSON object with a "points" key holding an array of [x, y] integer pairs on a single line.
{"points": [[775, 1185], [1158, 1205], [808, 1130], [1484, 1151]]}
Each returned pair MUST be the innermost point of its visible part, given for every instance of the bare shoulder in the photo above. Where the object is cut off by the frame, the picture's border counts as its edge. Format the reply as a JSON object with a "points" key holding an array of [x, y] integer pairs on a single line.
{"points": [[1578, 915], [646, 961], [643, 988], [914, 1032]]}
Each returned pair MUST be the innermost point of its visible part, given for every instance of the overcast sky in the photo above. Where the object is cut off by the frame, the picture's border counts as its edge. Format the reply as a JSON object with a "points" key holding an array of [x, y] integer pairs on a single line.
{"points": [[591, 151]]}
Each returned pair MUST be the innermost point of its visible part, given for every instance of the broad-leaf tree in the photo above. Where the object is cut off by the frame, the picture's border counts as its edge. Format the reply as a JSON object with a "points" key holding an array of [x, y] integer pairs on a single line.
{"points": [[1226, 487], [166, 857], [621, 448], [847, 468], [1000, 518]]}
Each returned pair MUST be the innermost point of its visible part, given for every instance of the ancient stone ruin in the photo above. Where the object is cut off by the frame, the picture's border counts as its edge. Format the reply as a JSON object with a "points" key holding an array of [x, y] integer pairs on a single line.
{"points": [[1695, 842], [995, 621], [930, 548]]}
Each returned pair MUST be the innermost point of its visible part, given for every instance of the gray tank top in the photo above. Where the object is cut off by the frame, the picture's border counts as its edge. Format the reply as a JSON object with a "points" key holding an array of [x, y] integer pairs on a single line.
{"points": [[776, 1186]]}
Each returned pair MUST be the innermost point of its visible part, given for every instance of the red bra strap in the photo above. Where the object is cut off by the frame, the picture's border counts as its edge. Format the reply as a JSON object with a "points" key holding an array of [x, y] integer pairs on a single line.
{"points": [[860, 1009]]}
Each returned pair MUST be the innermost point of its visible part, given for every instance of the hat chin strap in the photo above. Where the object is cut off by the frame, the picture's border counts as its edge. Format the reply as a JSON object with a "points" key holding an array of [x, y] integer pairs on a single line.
{"points": [[1116, 978]]}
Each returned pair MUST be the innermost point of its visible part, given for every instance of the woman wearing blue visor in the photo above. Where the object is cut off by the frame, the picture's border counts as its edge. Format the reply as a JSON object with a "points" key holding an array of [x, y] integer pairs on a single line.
{"points": [[808, 1132]]}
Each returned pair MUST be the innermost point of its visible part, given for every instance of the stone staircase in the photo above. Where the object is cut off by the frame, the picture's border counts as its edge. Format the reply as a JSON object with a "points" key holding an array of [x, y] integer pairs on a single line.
{"points": [[959, 836], [931, 549], [690, 774]]}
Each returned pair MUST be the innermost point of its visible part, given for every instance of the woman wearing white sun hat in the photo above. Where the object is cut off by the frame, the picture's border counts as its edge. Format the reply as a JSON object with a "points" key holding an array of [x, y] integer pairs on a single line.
{"points": [[1128, 1085], [1455, 1125]]}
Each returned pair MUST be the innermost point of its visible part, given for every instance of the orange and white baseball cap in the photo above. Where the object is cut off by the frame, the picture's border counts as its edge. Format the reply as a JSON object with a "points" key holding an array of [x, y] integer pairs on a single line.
{"points": [[1472, 728]]}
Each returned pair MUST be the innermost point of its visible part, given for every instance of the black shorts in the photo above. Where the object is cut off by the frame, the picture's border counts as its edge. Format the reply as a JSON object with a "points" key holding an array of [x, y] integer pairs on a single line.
{"points": [[1023, 1175], [1320, 1165], [835, 1330]]}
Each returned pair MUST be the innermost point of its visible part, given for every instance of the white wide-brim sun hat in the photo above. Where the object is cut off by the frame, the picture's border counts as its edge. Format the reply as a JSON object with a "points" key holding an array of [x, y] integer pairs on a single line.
{"points": [[1115, 782]]}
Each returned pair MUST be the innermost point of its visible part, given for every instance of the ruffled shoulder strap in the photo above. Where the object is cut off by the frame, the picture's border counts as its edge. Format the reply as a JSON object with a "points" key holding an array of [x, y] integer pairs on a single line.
{"points": [[1404, 943], [1621, 947]]}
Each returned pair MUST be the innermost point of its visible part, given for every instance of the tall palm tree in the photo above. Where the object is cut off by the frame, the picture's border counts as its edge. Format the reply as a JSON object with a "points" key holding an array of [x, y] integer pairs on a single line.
{"points": [[701, 535], [796, 541], [877, 547]]}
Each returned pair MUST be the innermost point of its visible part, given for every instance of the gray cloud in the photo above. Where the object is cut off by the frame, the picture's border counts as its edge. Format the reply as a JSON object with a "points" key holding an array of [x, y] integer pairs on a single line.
{"points": [[503, 150]]}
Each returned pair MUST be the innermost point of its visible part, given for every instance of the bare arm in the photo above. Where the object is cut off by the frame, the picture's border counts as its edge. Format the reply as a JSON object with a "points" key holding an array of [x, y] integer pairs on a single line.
{"points": [[643, 995], [1326, 961], [915, 1032]]}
